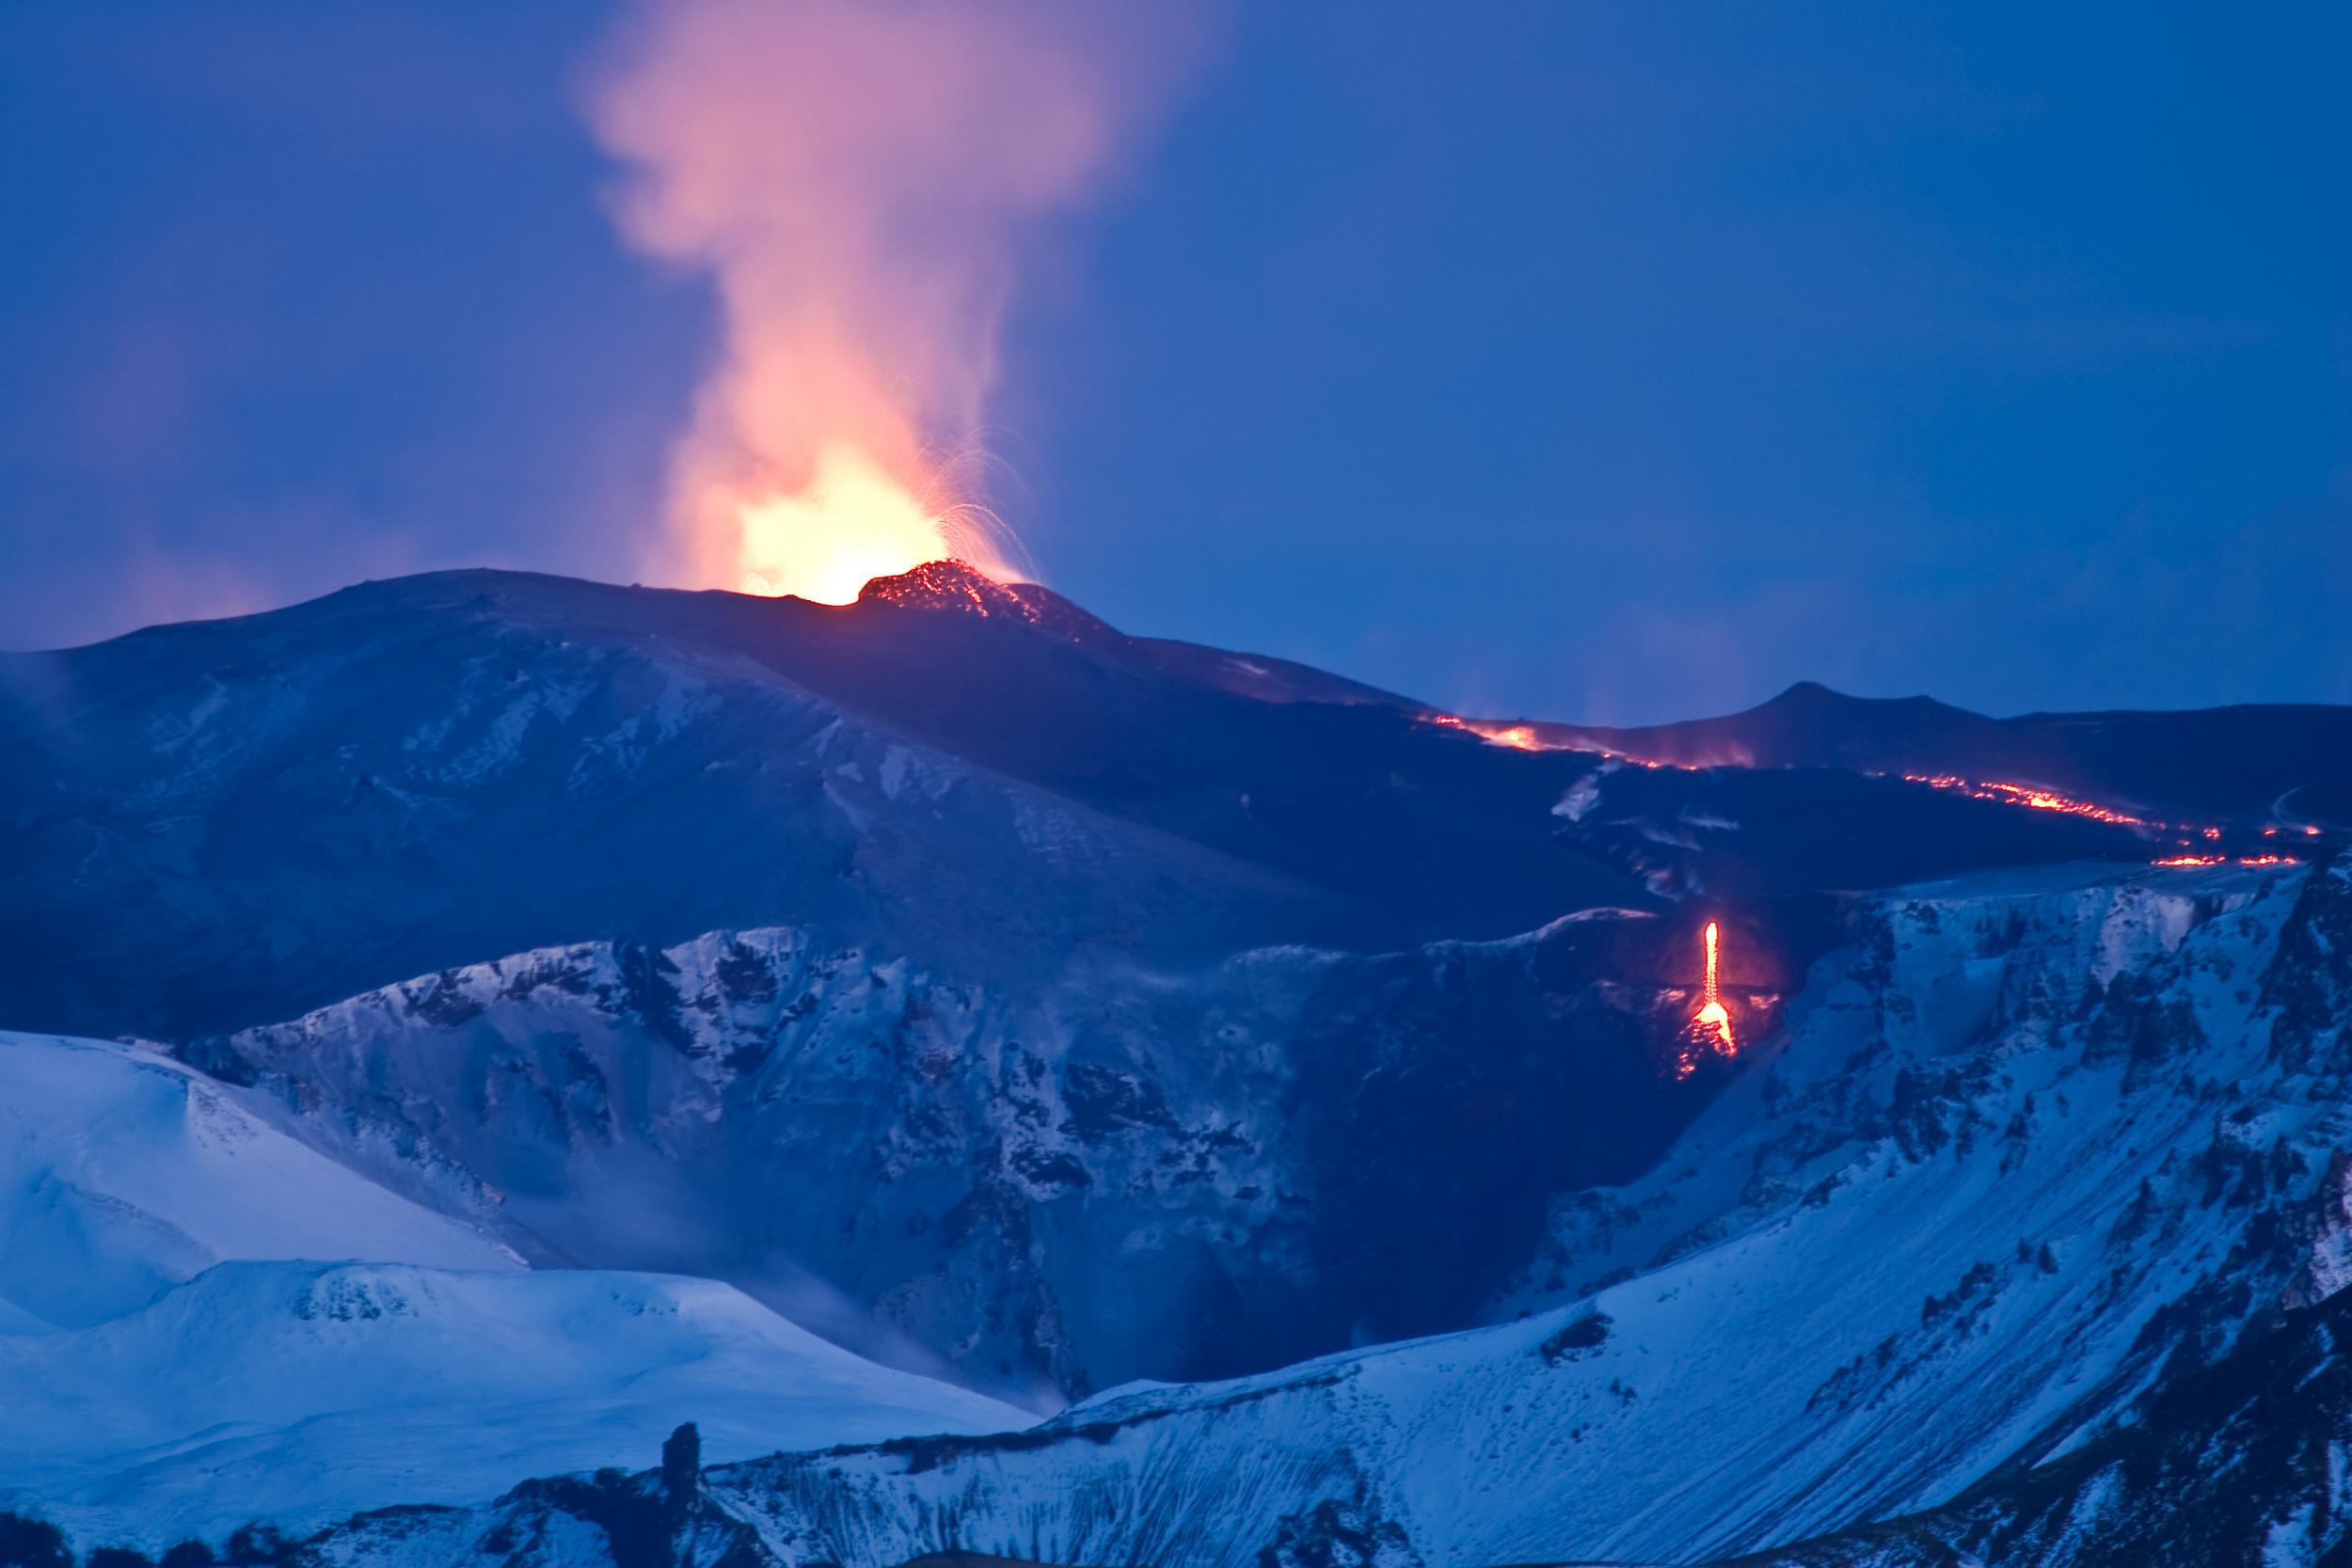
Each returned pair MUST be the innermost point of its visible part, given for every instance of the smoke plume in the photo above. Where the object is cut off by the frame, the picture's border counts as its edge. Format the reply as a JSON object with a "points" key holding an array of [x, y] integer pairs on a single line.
{"points": [[857, 179]]}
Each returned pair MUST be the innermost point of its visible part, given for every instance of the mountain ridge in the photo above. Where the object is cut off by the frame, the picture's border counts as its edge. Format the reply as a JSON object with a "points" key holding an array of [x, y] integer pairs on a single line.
{"points": [[1301, 1078], [2097, 1197], [398, 743]]}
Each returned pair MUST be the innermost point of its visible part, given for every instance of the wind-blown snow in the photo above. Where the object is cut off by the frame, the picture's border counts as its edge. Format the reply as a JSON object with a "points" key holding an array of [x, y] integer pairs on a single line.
{"points": [[123, 1173], [305, 1392], [202, 1376]]}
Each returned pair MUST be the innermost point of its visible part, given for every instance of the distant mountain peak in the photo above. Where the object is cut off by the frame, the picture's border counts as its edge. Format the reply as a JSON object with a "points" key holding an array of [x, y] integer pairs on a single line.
{"points": [[1813, 694]]}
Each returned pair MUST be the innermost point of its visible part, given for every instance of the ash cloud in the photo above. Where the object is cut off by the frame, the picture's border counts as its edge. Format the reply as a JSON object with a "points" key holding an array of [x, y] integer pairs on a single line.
{"points": [[859, 181]]}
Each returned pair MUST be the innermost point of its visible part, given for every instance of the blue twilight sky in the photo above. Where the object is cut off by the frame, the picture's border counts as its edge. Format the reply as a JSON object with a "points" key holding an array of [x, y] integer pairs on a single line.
{"points": [[1595, 361]]}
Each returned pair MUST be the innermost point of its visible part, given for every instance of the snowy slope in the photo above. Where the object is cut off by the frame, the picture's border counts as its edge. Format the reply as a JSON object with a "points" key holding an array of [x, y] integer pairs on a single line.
{"points": [[1110, 1171], [1003, 994], [122, 1173], [304, 1392], [172, 1369], [1119, 864], [2025, 1143], [2239, 1465]]}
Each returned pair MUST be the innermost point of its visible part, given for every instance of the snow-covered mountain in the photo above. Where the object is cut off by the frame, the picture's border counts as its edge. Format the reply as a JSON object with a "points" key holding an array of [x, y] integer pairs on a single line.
{"points": [[1118, 1171], [2031, 1150], [1304, 1069], [2241, 1462], [204, 1322], [127, 1174], [1105, 868], [226, 824]]}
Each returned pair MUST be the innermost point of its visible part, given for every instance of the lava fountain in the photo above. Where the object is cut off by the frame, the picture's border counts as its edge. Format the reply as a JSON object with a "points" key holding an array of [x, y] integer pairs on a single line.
{"points": [[853, 521], [1713, 1018], [1709, 1029]]}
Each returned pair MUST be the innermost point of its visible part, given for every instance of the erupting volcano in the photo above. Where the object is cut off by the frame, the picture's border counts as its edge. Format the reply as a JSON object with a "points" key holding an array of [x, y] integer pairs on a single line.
{"points": [[854, 522], [859, 183]]}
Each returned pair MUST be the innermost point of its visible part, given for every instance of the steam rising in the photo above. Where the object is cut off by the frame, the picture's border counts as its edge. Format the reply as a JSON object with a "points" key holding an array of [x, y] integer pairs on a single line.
{"points": [[857, 179]]}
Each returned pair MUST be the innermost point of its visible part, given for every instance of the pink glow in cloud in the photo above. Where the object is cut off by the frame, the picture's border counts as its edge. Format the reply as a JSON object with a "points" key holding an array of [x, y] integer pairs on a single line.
{"points": [[857, 178]]}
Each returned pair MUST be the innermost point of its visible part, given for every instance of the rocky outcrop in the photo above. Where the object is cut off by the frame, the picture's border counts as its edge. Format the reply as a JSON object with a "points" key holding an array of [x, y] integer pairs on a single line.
{"points": [[1117, 1172], [1952, 1237]]}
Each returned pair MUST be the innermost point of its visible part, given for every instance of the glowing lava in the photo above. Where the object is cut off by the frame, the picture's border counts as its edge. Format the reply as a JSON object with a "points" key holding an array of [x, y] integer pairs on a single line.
{"points": [[2031, 796], [1712, 1015], [854, 521], [2038, 799], [1710, 1027], [1525, 737]]}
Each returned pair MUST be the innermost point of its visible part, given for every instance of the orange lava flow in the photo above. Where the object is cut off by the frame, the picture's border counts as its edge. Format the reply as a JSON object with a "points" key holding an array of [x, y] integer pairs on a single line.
{"points": [[1711, 1024], [1524, 737], [1519, 738], [2049, 799], [2031, 796], [1712, 1013]]}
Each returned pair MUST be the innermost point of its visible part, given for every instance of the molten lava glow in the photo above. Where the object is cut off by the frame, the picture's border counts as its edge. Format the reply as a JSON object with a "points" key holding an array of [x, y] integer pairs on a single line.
{"points": [[1524, 737], [1712, 1010], [1711, 1023], [2047, 800], [2029, 795], [859, 183], [1519, 738], [853, 522]]}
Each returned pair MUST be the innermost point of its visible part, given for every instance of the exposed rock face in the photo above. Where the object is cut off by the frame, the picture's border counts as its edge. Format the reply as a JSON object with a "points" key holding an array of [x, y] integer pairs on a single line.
{"points": [[2239, 1463], [1050, 1008], [1338, 1535], [2004, 1217], [2329, 1269], [1118, 1172]]}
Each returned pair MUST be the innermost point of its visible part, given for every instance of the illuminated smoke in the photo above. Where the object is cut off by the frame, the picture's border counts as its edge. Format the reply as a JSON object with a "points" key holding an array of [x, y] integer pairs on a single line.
{"points": [[856, 176]]}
